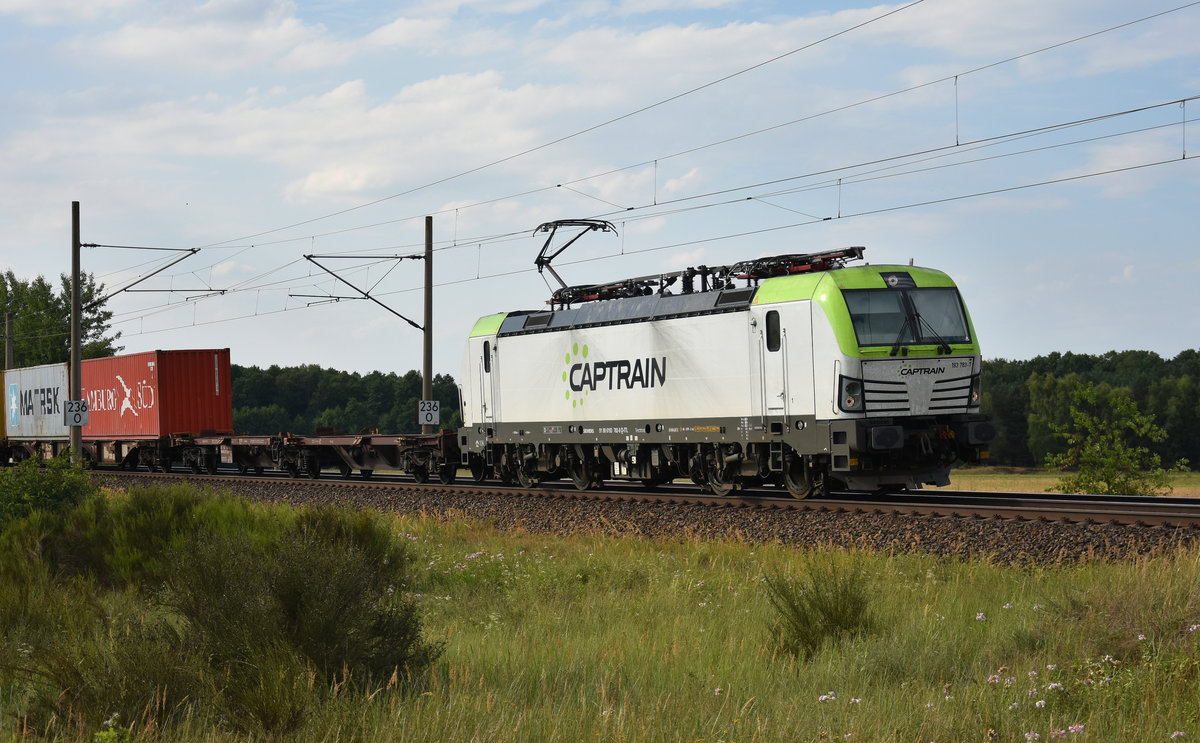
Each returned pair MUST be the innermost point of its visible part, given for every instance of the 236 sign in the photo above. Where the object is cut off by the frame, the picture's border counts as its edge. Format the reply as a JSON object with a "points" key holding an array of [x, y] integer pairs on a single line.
{"points": [[429, 413]]}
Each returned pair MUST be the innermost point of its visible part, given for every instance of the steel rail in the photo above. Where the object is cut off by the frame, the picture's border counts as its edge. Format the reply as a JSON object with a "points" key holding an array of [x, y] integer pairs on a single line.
{"points": [[1048, 507]]}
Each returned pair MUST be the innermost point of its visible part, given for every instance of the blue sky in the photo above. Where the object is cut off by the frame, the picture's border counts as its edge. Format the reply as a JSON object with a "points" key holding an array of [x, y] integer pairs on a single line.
{"points": [[1035, 151]]}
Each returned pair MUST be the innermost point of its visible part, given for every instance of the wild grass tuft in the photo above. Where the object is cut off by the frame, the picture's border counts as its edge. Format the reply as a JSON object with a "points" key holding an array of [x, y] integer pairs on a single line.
{"points": [[828, 604]]}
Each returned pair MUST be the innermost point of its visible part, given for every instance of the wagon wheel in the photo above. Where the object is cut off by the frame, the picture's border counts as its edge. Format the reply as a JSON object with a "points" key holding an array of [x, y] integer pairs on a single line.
{"points": [[419, 473], [797, 477], [447, 473], [210, 464], [345, 470], [580, 472], [366, 474], [194, 467], [654, 483], [242, 468]]}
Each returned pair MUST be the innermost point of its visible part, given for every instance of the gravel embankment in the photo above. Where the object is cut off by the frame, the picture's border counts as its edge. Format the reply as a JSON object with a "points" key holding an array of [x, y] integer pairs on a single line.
{"points": [[1004, 541]]}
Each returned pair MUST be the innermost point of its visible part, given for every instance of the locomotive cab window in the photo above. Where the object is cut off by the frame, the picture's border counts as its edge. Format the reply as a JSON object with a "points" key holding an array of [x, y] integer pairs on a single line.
{"points": [[883, 317], [772, 331], [487, 356]]}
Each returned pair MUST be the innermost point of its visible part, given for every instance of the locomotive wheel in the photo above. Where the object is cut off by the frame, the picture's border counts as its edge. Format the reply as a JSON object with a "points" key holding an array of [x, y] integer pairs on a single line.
{"points": [[654, 483], [580, 473], [525, 479], [720, 486], [420, 474], [447, 474], [478, 469], [797, 477]]}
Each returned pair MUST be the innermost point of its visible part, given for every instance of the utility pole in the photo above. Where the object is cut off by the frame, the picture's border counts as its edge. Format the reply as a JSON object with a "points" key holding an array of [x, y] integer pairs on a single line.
{"points": [[9, 343], [427, 376], [76, 347]]}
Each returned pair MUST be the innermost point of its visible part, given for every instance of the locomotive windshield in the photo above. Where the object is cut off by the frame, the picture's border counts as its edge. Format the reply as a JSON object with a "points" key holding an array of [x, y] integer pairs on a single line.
{"points": [[887, 317]]}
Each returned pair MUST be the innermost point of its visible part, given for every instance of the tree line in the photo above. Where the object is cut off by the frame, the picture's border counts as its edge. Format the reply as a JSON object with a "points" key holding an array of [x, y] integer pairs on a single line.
{"points": [[1031, 401], [309, 399]]}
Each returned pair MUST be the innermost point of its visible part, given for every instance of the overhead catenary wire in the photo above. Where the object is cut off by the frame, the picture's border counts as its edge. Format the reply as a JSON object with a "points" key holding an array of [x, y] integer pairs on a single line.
{"points": [[475, 241], [291, 281], [716, 238], [827, 112], [568, 185], [586, 130]]}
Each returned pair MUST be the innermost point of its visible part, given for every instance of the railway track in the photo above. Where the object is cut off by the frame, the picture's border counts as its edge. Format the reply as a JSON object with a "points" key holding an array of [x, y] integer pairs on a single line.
{"points": [[1027, 507]]}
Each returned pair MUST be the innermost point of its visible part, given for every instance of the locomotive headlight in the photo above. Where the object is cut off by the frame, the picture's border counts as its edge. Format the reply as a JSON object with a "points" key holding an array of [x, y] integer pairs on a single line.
{"points": [[850, 396], [976, 390]]}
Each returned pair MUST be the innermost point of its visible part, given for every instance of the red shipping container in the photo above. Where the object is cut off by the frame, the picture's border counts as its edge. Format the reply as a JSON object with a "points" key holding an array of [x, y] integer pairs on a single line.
{"points": [[158, 393]]}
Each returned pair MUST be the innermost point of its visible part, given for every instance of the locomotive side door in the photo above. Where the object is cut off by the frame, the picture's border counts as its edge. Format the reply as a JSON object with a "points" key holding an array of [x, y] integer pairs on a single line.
{"points": [[773, 364], [487, 380]]}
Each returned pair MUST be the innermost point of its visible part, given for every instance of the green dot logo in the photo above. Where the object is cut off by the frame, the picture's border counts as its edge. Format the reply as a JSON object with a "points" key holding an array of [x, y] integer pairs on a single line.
{"points": [[573, 357]]}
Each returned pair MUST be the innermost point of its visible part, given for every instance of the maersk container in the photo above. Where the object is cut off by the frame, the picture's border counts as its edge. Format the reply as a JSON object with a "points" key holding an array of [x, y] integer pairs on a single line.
{"points": [[33, 402], [158, 393]]}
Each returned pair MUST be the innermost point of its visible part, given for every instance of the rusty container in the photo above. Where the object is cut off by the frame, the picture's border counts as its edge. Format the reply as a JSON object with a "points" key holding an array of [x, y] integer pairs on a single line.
{"points": [[158, 393]]}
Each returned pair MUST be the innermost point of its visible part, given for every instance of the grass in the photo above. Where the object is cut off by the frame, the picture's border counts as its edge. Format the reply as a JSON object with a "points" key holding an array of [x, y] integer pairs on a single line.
{"points": [[588, 638], [1020, 480]]}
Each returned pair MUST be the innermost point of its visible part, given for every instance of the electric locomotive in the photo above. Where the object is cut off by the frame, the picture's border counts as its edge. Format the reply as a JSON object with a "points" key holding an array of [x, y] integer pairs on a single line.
{"points": [[796, 370]]}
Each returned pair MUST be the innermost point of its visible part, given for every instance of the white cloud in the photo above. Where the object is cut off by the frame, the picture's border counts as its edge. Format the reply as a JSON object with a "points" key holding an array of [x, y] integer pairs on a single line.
{"points": [[64, 12], [218, 36]]}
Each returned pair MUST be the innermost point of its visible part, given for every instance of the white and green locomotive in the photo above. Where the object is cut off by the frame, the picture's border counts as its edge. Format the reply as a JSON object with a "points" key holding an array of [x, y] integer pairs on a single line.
{"points": [[794, 370]]}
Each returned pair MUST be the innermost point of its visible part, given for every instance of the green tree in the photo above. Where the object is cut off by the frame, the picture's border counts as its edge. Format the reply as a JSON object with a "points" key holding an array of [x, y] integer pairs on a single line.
{"points": [[1006, 402], [1049, 406], [42, 319], [1106, 452]]}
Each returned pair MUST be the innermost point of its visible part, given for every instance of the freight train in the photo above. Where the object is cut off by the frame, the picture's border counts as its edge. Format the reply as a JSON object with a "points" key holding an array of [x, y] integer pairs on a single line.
{"points": [[796, 371], [162, 409]]}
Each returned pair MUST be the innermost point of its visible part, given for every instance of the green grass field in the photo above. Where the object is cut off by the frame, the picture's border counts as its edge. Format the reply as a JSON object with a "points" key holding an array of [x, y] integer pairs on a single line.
{"points": [[1018, 480], [589, 638], [626, 640]]}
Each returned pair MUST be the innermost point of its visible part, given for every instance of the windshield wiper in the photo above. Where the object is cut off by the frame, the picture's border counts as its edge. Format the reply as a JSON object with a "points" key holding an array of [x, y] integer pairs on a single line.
{"points": [[900, 336], [942, 344]]}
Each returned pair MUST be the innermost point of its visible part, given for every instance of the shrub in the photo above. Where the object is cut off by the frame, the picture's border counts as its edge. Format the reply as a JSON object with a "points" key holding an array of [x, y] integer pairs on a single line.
{"points": [[827, 605], [171, 601], [26, 488], [1106, 446]]}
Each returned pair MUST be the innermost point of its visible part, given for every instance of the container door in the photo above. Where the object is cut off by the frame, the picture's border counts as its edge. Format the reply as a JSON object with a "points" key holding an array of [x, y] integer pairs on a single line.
{"points": [[773, 350]]}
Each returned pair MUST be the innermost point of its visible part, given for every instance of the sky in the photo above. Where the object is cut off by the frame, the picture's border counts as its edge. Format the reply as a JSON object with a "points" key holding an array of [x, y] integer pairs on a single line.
{"points": [[1041, 153]]}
